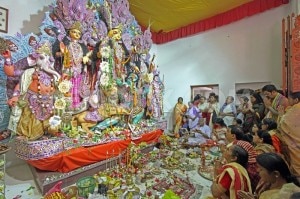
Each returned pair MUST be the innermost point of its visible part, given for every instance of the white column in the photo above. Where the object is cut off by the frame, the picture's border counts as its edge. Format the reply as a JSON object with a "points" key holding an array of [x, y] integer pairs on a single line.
{"points": [[297, 6]]}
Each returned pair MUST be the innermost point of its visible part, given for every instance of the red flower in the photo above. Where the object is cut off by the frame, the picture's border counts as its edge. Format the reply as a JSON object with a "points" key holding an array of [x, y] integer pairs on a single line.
{"points": [[149, 193]]}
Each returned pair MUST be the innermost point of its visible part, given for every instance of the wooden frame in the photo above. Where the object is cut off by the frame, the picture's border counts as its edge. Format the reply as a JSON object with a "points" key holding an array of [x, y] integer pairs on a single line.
{"points": [[3, 20], [244, 89], [204, 90]]}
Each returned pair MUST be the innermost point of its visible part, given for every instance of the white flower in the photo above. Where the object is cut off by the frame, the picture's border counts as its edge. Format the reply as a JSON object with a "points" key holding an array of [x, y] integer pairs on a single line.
{"points": [[60, 104], [105, 51], [104, 66], [104, 80], [65, 86], [54, 121], [150, 77]]}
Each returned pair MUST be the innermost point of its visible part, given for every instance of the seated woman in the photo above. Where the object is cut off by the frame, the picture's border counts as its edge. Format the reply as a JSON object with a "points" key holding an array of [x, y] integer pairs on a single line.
{"points": [[273, 169], [233, 176], [237, 137], [219, 131], [263, 142], [237, 122], [228, 110], [185, 126], [270, 125], [255, 128]]}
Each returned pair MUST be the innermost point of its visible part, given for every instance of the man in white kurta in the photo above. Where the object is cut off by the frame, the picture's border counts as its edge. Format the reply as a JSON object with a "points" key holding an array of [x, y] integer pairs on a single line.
{"points": [[228, 111], [202, 133]]}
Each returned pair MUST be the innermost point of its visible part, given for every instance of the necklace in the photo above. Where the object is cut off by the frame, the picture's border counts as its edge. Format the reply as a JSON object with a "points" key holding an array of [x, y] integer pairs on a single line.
{"points": [[41, 105], [76, 54]]}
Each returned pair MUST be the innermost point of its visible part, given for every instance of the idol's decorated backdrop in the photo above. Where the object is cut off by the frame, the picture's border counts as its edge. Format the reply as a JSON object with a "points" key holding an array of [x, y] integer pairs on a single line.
{"points": [[88, 70]]}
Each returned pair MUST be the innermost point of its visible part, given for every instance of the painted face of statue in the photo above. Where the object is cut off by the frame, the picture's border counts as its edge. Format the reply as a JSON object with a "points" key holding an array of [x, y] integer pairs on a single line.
{"points": [[156, 78], [50, 32], [75, 34], [115, 34], [32, 41], [12, 47], [144, 57], [43, 60]]}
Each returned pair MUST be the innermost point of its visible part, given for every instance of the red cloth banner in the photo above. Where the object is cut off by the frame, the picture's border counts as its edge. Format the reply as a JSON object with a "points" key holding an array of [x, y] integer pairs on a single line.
{"points": [[82, 156]]}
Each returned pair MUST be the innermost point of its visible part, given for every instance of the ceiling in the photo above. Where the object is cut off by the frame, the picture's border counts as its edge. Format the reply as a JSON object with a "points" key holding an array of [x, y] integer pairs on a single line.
{"points": [[169, 15]]}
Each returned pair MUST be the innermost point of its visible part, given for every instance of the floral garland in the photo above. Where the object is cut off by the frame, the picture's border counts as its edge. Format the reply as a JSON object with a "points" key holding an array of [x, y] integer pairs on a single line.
{"points": [[106, 68], [65, 86]]}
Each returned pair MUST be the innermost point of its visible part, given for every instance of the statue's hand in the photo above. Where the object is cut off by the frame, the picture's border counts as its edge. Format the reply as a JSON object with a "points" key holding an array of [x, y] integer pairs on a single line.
{"points": [[57, 77], [12, 101], [85, 59], [62, 47], [6, 54], [8, 68]]}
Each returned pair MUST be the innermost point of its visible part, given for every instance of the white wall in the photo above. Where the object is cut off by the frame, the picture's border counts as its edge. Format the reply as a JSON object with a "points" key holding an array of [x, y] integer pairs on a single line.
{"points": [[245, 51], [25, 16]]}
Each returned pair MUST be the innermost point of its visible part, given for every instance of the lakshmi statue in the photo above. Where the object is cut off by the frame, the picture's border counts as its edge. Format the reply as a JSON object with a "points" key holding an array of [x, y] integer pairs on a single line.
{"points": [[75, 57], [156, 97], [37, 103]]}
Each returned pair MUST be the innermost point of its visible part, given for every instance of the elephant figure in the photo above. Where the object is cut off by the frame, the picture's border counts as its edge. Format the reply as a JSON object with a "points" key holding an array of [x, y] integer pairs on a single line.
{"points": [[37, 88]]}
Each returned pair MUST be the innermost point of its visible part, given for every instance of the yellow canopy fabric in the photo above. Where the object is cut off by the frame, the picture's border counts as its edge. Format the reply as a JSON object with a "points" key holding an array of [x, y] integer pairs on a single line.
{"points": [[168, 15]]}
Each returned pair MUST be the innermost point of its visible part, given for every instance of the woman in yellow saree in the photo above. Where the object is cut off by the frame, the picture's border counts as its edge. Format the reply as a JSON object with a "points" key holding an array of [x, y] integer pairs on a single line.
{"points": [[179, 111]]}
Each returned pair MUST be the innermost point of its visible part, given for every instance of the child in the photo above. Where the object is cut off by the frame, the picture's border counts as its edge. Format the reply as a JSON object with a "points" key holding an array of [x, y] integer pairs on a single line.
{"points": [[185, 125], [237, 122]]}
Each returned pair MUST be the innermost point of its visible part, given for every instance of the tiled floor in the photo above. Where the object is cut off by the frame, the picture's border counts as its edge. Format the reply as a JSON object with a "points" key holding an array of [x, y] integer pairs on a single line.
{"points": [[19, 179], [21, 187]]}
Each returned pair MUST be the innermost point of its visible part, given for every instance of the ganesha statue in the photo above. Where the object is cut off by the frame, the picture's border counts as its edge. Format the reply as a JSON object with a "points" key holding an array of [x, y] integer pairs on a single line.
{"points": [[37, 87]]}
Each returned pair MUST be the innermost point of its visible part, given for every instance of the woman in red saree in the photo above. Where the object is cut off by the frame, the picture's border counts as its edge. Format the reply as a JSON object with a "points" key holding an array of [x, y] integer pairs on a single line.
{"points": [[270, 125], [232, 177]]}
